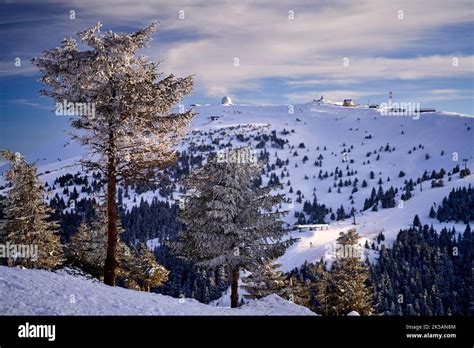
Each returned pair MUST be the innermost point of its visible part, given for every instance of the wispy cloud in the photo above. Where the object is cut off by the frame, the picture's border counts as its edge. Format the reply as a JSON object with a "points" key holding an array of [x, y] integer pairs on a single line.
{"points": [[208, 39], [30, 103], [335, 95], [316, 82], [447, 95], [315, 43], [8, 68]]}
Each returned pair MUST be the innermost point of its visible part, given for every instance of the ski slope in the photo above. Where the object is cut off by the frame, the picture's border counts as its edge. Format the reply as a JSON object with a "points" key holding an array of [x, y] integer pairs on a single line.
{"points": [[343, 136], [337, 128]]}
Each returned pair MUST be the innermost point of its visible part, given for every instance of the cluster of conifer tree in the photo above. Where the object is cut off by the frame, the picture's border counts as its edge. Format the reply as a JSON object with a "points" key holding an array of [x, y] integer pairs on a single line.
{"points": [[315, 213], [425, 272], [381, 199], [334, 291], [458, 206]]}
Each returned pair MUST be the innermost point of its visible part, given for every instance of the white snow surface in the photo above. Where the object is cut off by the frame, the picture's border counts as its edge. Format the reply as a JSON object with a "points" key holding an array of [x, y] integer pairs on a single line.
{"points": [[41, 292], [448, 138]]}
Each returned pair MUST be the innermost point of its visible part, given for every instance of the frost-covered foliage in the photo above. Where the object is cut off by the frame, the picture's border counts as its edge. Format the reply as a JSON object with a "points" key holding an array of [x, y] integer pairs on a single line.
{"points": [[88, 246], [144, 271], [267, 280], [27, 222], [132, 122], [131, 133], [228, 221], [264, 281], [138, 269], [344, 288]]}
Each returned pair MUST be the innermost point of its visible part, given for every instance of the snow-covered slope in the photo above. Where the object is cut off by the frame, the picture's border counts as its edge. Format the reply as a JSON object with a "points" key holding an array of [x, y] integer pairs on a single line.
{"points": [[344, 136], [354, 139], [40, 292]]}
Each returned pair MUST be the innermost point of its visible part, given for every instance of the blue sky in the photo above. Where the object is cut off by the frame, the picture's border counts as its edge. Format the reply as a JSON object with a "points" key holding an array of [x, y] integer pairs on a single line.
{"points": [[288, 52]]}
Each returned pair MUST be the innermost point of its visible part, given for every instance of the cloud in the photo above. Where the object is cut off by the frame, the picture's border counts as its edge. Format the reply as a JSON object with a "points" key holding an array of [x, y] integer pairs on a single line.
{"points": [[314, 44], [305, 51], [8, 68], [447, 95], [30, 104], [334, 95], [313, 82]]}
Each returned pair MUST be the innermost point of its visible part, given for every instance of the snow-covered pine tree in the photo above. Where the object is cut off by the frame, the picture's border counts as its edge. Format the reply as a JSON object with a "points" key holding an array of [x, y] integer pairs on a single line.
{"points": [[298, 291], [344, 288], [324, 294], [228, 221], [265, 280], [145, 271], [87, 250], [27, 217], [88, 246], [131, 132]]}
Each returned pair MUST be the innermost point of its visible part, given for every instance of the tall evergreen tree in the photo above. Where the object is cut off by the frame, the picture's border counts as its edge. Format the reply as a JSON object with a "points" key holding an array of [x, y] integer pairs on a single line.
{"points": [[344, 288], [27, 217], [87, 250], [88, 246], [267, 280], [230, 222], [143, 271], [264, 281], [132, 132]]}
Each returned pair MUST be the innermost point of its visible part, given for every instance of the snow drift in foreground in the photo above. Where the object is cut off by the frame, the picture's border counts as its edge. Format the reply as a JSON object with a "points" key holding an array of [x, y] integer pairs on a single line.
{"points": [[40, 292]]}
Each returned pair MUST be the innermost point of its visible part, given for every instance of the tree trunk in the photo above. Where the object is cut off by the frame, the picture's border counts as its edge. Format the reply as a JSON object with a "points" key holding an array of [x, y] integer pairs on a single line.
{"points": [[112, 216], [234, 296]]}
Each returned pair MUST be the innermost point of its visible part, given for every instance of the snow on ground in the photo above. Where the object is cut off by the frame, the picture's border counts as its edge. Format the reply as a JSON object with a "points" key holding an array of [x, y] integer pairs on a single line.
{"points": [[40, 292], [152, 244]]}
